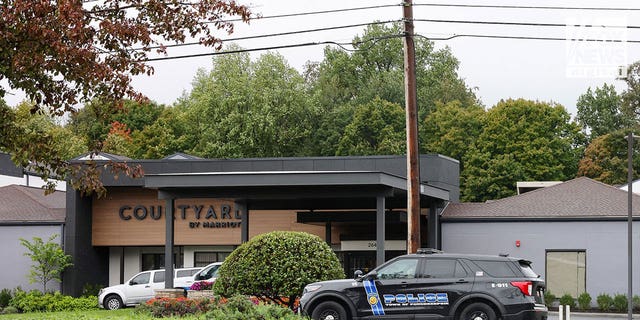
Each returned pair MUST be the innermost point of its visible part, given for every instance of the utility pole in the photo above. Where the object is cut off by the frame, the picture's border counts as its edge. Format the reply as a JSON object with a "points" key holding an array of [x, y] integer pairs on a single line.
{"points": [[413, 165]]}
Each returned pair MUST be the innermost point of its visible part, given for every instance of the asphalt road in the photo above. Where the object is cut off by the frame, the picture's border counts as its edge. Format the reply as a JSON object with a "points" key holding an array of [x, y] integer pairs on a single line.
{"points": [[593, 316]]}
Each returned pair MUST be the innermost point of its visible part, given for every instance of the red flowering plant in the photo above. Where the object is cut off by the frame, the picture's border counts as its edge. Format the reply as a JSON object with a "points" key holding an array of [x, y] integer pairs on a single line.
{"points": [[202, 285], [168, 307]]}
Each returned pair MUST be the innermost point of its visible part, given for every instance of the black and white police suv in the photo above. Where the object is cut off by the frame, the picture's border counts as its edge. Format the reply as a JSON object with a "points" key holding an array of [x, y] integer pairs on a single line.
{"points": [[431, 284]]}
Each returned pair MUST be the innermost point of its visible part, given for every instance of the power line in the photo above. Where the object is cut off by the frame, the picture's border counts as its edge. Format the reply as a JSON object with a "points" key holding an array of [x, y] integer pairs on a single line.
{"points": [[307, 44], [523, 38], [277, 34], [524, 7], [287, 15], [534, 24]]}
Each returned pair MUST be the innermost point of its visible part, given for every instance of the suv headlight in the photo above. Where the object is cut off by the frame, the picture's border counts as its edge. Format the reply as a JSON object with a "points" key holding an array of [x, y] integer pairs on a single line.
{"points": [[100, 292], [311, 288]]}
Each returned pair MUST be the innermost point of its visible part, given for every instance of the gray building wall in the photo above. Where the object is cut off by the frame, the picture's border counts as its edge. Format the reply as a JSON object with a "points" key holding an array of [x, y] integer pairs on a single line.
{"points": [[14, 264], [605, 243]]}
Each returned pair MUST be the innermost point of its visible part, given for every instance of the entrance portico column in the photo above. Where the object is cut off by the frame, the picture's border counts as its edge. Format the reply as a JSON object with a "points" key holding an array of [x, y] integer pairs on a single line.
{"points": [[168, 245], [380, 229]]}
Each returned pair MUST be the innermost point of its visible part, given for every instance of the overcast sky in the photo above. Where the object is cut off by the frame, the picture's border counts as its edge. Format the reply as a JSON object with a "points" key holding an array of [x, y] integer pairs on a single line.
{"points": [[543, 70]]}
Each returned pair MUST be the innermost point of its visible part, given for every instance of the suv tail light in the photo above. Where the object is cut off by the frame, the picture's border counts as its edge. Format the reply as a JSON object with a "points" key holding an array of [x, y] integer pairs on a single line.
{"points": [[525, 286]]}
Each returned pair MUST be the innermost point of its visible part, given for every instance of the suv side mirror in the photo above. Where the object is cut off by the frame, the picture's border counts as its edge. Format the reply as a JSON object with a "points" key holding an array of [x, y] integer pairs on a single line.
{"points": [[371, 275], [357, 275], [132, 283]]}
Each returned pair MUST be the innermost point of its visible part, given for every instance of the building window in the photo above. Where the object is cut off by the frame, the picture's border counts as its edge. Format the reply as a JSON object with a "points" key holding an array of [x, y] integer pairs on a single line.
{"points": [[201, 259], [152, 261], [566, 272]]}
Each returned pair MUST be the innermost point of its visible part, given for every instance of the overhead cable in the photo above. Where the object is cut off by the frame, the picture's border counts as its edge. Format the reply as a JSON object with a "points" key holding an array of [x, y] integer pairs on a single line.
{"points": [[524, 7]]}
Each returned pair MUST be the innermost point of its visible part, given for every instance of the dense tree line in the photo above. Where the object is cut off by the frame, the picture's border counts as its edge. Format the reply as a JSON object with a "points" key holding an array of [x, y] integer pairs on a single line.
{"points": [[351, 103]]}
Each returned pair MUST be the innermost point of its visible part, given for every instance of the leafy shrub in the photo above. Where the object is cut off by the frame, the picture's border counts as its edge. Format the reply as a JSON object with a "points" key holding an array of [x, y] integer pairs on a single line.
{"points": [[242, 308], [35, 301], [636, 302], [549, 298], [567, 300], [276, 267], [620, 303], [201, 285], [584, 301], [5, 297], [605, 302], [9, 310], [170, 307], [91, 289]]}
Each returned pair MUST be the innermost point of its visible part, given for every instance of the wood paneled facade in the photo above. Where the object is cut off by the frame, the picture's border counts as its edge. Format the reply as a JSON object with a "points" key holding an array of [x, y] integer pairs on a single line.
{"points": [[136, 217]]}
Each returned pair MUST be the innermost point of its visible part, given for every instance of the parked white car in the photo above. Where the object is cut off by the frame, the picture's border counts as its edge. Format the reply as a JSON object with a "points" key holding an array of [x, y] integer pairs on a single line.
{"points": [[208, 273], [140, 288]]}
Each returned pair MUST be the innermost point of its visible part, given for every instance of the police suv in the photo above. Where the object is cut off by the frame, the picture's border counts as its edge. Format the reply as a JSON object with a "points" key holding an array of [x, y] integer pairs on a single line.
{"points": [[433, 285]]}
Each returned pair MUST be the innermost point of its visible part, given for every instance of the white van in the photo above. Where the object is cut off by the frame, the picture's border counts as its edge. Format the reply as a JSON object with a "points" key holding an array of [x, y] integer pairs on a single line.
{"points": [[140, 288]]}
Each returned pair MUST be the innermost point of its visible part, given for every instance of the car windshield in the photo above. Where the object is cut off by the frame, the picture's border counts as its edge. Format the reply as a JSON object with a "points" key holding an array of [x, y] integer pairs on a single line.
{"points": [[399, 269]]}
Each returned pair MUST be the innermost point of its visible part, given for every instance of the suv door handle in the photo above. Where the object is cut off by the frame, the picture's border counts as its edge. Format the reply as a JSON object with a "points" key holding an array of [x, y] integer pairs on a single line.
{"points": [[147, 286], [462, 281]]}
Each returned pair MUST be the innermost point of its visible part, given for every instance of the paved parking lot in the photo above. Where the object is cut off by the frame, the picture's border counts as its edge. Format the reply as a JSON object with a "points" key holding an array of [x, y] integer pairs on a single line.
{"points": [[593, 316]]}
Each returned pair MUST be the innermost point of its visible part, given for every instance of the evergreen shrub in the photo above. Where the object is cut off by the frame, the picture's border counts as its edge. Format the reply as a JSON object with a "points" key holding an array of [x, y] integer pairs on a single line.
{"points": [[276, 266]]}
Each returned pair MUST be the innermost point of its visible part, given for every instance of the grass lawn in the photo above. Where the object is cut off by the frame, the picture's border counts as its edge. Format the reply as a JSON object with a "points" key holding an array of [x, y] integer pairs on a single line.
{"points": [[122, 314]]}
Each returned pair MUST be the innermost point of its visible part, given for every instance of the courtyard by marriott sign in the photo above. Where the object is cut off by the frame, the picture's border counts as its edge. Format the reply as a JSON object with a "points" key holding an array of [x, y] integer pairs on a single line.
{"points": [[198, 216]]}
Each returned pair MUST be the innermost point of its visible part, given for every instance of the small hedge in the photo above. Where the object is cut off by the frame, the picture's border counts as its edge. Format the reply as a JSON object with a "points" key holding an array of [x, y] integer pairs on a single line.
{"points": [[584, 301], [5, 297], [170, 307], [620, 303], [605, 302], [567, 300], [234, 308], [549, 298], [35, 301]]}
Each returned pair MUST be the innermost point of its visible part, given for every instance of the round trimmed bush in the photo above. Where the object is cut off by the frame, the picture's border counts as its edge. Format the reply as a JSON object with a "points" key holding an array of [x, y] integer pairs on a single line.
{"points": [[276, 266]]}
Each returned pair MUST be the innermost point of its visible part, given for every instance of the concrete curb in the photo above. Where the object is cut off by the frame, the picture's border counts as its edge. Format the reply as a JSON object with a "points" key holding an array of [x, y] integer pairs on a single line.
{"points": [[598, 315]]}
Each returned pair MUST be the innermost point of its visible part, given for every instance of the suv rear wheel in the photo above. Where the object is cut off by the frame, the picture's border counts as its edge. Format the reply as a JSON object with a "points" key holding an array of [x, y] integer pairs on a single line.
{"points": [[477, 311], [329, 310]]}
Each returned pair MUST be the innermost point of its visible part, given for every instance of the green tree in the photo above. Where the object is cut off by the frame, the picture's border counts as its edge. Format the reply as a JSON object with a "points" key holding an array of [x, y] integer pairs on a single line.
{"points": [[95, 121], [49, 260], [37, 132], [65, 53], [378, 127], [169, 134], [343, 81], [450, 129], [376, 69], [249, 109], [600, 112], [521, 140], [605, 159], [276, 266], [631, 96]]}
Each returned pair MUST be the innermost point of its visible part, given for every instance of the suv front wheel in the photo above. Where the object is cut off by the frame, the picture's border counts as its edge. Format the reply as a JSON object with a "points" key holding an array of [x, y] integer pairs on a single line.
{"points": [[113, 302], [477, 311], [329, 310]]}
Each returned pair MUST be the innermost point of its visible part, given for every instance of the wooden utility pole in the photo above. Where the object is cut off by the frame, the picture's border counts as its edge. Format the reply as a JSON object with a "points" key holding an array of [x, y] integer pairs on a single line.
{"points": [[411, 107]]}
